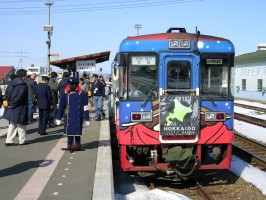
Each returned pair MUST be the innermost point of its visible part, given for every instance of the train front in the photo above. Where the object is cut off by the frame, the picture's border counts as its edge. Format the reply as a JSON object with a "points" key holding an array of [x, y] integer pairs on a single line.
{"points": [[173, 103]]}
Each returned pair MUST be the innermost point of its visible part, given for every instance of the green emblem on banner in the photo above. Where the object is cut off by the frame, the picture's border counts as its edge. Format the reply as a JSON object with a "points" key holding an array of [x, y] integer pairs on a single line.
{"points": [[179, 112]]}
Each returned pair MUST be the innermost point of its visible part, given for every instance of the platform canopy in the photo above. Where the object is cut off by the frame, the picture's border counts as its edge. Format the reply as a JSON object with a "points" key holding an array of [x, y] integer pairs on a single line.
{"points": [[70, 63]]}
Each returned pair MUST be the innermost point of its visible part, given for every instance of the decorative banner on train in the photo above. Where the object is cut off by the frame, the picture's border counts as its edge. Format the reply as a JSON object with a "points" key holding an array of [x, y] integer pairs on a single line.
{"points": [[86, 65], [179, 115]]}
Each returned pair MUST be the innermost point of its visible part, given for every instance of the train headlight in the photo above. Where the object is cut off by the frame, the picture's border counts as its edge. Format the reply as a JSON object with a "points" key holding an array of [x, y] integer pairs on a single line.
{"points": [[215, 116], [210, 117], [173, 44], [179, 44], [185, 43], [141, 116], [146, 116]]}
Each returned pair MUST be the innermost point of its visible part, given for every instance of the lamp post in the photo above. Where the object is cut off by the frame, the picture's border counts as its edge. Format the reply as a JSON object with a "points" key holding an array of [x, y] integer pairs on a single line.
{"points": [[49, 29], [138, 26]]}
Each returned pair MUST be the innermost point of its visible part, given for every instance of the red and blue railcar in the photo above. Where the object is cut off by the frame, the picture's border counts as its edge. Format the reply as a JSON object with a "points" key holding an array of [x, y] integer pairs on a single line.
{"points": [[173, 103]]}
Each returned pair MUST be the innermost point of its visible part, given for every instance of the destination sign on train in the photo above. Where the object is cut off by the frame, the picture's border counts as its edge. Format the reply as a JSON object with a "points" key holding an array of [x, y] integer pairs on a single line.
{"points": [[143, 60], [214, 61]]}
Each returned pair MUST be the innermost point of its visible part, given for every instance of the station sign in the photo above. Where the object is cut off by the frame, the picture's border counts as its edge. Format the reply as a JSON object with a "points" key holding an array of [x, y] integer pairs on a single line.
{"points": [[86, 65]]}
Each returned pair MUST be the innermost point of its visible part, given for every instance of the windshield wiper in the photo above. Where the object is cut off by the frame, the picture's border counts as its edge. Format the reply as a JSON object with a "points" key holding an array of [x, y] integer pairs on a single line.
{"points": [[144, 102], [205, 92]]}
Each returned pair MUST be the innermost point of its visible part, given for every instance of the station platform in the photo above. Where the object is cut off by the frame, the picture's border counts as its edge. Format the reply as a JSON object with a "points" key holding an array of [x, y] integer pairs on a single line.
{"points": [[42, 170]]}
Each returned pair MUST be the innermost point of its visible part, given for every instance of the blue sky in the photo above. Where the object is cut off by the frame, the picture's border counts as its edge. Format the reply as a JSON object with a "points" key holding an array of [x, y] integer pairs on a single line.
{"points": [[84, 27]]}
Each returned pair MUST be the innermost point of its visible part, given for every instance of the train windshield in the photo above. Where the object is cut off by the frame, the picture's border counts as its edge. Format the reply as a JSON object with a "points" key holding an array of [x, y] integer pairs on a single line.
{"points": [[179, 75], [142, 77], [216, 77]]}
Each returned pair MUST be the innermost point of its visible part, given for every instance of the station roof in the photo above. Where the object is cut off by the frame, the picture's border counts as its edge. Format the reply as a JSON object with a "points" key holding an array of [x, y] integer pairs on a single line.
{"points": [[70, 63], [4, 70], [257, 56]]}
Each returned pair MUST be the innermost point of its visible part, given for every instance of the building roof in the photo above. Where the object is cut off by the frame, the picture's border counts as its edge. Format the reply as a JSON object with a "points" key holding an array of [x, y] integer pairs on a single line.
{"points": [[258, 56], [4, 71], [70, 63]]}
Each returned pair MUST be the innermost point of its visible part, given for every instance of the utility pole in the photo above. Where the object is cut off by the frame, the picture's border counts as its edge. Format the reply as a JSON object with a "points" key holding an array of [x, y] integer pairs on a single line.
{"points": [[16, 52], [49, 29], [138, 26], [20, 60]]}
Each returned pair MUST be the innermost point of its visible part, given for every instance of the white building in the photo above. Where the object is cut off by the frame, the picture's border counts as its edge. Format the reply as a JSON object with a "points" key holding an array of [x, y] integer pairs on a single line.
{"points": [[40, 71], [250, 75]]}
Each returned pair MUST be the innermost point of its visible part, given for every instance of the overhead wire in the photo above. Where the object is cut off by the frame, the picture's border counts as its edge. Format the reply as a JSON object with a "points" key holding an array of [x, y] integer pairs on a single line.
{"points": [[25, 1], [97, 7], [90, 4]]}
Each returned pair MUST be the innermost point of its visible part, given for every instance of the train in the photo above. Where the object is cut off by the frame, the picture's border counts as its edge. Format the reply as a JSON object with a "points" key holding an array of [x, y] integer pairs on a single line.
{"points": [[173, 103]]}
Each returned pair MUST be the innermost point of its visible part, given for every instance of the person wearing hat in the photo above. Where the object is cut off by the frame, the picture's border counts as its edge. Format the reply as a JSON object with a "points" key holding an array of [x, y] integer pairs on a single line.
{"points": [[44, 99], [73, 105]]}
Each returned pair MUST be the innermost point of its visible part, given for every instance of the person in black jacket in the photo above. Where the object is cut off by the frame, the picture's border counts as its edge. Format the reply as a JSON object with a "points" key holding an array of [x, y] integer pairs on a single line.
{"points": [[44, 101], [54, 88], [16, 111], [7, 91], [98, 95], [63, 83], [102, 80], [31, 98]]}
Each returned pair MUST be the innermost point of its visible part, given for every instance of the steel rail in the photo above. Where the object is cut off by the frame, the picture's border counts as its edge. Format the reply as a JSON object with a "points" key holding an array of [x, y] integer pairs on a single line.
{"points": [[250, 151]]}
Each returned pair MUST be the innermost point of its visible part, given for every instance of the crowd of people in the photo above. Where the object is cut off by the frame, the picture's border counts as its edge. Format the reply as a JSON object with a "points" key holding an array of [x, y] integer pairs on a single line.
{"points": [[70, 99]]}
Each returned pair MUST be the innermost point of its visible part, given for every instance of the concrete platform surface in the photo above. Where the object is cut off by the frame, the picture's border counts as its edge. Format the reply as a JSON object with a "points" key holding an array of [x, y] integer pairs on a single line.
{"points": [[41, 170]]}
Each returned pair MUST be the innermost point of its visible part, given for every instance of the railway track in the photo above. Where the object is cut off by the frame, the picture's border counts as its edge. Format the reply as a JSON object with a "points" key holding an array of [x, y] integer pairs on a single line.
{"points": [[192, 189], [218, 185], [251, 120], [251, 107], [250, 151], [202, 192]]}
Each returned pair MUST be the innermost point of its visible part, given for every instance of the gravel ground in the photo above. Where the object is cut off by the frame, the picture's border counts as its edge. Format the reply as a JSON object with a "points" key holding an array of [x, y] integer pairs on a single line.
{"points": [[222, 185]]}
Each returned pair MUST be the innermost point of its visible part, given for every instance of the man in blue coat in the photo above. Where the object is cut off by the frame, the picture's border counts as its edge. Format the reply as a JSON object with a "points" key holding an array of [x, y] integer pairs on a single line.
{"points": [[98, 94], [73, 105], [44, 98], [16, 112]]}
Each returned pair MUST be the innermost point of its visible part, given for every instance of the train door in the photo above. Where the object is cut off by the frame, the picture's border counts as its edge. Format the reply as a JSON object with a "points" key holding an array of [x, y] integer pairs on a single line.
{"points": [[179, 99]]}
